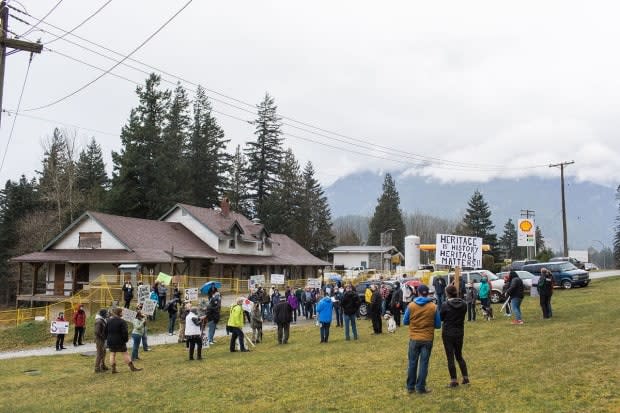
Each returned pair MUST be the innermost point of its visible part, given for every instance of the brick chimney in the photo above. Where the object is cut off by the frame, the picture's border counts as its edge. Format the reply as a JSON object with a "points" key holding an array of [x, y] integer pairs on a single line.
{"points": [[225, 206]]}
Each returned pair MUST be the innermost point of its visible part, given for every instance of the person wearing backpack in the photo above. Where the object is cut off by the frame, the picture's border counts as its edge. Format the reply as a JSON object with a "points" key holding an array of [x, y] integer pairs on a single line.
{"points": [[309, 303], [545, 291]]}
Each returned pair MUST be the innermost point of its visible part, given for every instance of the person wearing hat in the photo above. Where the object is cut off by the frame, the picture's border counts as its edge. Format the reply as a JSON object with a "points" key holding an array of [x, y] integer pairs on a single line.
{"points": [[117, 337], [100, 337], [422, 318]]}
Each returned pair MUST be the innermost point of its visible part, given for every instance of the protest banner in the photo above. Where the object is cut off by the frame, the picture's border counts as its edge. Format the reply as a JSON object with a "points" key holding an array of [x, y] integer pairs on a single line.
{"points": [[144, 291], [191, 294], [258, 279], [164, 278], [458, 250], [277, 279], [313, 283], [59, 327], [149, 306], [129, 315], [247, 305]]}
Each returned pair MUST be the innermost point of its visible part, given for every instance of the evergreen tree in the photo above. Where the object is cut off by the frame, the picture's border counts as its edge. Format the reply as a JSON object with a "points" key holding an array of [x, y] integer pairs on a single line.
{"points": [[540, 240], [237, 190], [617, 232], [508, 241], [315, 216], [264, 155], [92, 179], [387, 216], [208, 157], [135, 189], [477, 222]]}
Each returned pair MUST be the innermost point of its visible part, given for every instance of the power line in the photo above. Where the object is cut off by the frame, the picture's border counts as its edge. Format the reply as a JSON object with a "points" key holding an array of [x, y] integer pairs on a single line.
{"points": [[25, 115], [19, 102], [41, 19], [81, 24], [114, 66]]}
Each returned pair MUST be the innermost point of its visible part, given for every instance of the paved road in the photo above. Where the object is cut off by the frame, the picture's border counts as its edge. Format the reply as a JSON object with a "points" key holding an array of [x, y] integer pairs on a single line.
{"points": [[604, 274]]}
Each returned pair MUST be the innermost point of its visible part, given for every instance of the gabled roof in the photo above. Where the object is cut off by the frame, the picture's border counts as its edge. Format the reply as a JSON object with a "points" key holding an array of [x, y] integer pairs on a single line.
{"points": [[361, 249], [221, 224]]}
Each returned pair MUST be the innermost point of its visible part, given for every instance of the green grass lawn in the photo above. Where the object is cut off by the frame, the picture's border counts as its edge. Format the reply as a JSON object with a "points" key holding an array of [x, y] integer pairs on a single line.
{"points": [[567, 364]]}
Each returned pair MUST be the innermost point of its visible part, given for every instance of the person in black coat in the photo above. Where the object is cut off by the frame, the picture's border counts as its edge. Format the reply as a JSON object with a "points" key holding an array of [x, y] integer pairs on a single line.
{"points": [[375, 309], [282, 316], [350, 305], [117, 336], [452, 314], [515, 292], [395, 303]]}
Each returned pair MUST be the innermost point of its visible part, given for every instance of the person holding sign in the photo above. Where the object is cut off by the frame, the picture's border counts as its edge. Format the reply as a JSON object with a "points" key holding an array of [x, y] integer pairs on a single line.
{"points": [[60, 338], [136, 335], [117, 337]]}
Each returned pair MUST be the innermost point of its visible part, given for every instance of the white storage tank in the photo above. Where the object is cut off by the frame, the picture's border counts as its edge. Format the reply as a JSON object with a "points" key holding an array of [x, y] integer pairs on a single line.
{"points": [[412, 253]]}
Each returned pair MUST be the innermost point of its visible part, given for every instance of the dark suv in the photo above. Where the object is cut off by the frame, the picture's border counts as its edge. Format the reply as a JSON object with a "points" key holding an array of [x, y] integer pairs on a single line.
{"points": [[361, 293], [565, 274]]}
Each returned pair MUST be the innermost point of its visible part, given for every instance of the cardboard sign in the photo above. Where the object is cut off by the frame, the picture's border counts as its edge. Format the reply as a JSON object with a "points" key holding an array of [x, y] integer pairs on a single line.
{"points": [[129, 315], [191, 294], [458, 250], [259, 279], [149, 306], [313, 283], [144, 291], [59, 327], [277, 279], [164, 278]]}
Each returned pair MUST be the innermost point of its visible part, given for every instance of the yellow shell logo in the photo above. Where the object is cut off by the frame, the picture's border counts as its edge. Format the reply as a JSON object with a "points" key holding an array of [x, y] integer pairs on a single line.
{"points": [[525, 226]]}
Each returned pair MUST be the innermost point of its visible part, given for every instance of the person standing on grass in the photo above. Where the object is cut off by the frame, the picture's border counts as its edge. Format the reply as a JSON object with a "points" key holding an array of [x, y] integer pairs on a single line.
{"points": [[173, 310], [422, 318], [298, 294], [193, 333], [100, 336], [79, 321], [337, 294], [117, 336], [515, 292], [452, 314], [395, 303], [282, 316], [60, 338], [545, 291], [214, 308], [471, 296], [162, 291], [136, 335], [291, 299], [182, 317], [324, 311], [375, 309], [484, 293], [350, 306], [256, 322], [235, 326], [439, 283], [127, 293]]}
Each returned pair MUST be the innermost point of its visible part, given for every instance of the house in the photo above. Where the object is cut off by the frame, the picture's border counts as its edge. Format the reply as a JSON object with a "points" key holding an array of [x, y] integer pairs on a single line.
{"points": [[189, 240], [367, 256]]}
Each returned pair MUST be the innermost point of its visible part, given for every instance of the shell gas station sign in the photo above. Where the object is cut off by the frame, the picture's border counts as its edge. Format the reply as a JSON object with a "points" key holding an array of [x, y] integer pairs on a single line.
{"points": [[526, 233]]}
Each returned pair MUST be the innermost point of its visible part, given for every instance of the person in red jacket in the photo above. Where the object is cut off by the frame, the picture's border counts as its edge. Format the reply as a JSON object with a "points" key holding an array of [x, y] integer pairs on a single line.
{"points": [[79, 321]]}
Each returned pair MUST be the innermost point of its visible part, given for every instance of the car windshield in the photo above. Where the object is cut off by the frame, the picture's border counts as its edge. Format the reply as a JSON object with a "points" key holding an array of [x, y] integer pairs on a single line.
{"points": [[567, 266]]}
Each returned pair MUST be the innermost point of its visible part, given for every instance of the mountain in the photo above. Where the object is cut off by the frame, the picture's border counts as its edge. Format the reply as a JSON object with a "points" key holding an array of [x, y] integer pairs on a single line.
{"points": [[590, 208]]}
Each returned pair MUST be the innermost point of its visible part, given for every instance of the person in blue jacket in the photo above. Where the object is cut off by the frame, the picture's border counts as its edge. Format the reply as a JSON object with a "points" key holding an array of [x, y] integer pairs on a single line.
{"points": [[324, 311]]}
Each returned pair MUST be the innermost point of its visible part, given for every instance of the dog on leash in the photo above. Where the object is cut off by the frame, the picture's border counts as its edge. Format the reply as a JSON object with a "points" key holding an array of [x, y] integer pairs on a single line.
{"points": [[487, 312], [390, 322]]}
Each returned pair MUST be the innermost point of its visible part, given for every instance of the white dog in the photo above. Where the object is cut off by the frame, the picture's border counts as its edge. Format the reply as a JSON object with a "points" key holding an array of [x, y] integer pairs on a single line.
{"points": [[390, 322]]}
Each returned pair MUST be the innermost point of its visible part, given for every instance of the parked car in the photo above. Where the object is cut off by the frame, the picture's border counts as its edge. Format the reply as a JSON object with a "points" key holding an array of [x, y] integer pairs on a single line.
{"points": [[474, 277], [525, 276], [361, 292], [564, 273], [588, 266], [572, 260], [518, 264]]}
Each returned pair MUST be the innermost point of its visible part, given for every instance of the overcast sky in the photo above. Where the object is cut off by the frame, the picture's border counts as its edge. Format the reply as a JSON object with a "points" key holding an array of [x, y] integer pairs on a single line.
{"points": [[451, 90]]}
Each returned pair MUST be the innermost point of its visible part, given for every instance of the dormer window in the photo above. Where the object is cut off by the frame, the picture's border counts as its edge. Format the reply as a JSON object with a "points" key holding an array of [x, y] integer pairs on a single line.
{"points": [[89, 240], [231, 244], [260, 246]]}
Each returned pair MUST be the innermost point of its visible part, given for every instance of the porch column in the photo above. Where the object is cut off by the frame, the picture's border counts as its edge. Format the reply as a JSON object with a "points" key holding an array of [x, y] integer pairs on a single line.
{"points": [[19, 278], [35, 279]]}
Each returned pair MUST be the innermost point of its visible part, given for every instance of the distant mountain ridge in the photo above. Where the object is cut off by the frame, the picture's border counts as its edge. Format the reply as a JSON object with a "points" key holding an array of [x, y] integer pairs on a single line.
{"points": [[590, 208]]}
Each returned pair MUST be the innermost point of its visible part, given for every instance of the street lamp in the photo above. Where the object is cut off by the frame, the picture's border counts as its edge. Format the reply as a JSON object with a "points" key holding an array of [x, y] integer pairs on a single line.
{"points": [[383, 235], [602, 251]]}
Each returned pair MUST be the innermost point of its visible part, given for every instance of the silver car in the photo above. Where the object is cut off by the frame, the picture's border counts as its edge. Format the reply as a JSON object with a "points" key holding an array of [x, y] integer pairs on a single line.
{"points": [[525, 276]]}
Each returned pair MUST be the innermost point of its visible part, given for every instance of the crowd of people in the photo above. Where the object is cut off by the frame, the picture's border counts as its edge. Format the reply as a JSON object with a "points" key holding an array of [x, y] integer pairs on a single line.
{"points": [[421, 313]]}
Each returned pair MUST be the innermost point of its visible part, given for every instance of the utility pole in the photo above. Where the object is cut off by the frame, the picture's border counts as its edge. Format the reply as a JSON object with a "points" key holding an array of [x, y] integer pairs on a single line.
{"points": [[528, 213], [12, 43], [561, 165]]}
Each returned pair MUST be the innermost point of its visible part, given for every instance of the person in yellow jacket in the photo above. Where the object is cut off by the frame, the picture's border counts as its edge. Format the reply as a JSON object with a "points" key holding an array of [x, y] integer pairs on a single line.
{"points": [[368, 294], [235, 325]]}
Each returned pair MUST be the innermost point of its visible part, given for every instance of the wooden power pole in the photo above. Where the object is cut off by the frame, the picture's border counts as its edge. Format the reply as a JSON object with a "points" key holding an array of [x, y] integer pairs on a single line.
{"points": [[562, 165], [13, 44]]}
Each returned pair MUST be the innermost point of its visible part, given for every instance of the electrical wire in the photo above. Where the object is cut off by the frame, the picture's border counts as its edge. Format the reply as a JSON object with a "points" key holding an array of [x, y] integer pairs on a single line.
{"points": [[114, 66], [25, 115], [81, 24], [41, 19], [19, 102]]}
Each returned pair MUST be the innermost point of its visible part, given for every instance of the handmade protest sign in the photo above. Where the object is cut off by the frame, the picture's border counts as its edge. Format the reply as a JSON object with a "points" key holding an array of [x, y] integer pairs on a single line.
{"points": [[59, 327], [277, 278], [144, 291], [313, 283], [129, 315], [458, 250], [148, 307], [164, 278], [191, 294]]}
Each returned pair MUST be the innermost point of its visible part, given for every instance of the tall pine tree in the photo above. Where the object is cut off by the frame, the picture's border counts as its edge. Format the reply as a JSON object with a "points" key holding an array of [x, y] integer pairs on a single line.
{"points": [[281, 208], [135, 181], [208, 157], [237, 190], [508, 241], [477, 222], [264, 155], [387, 216], [92, 179], [315, 216]]}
